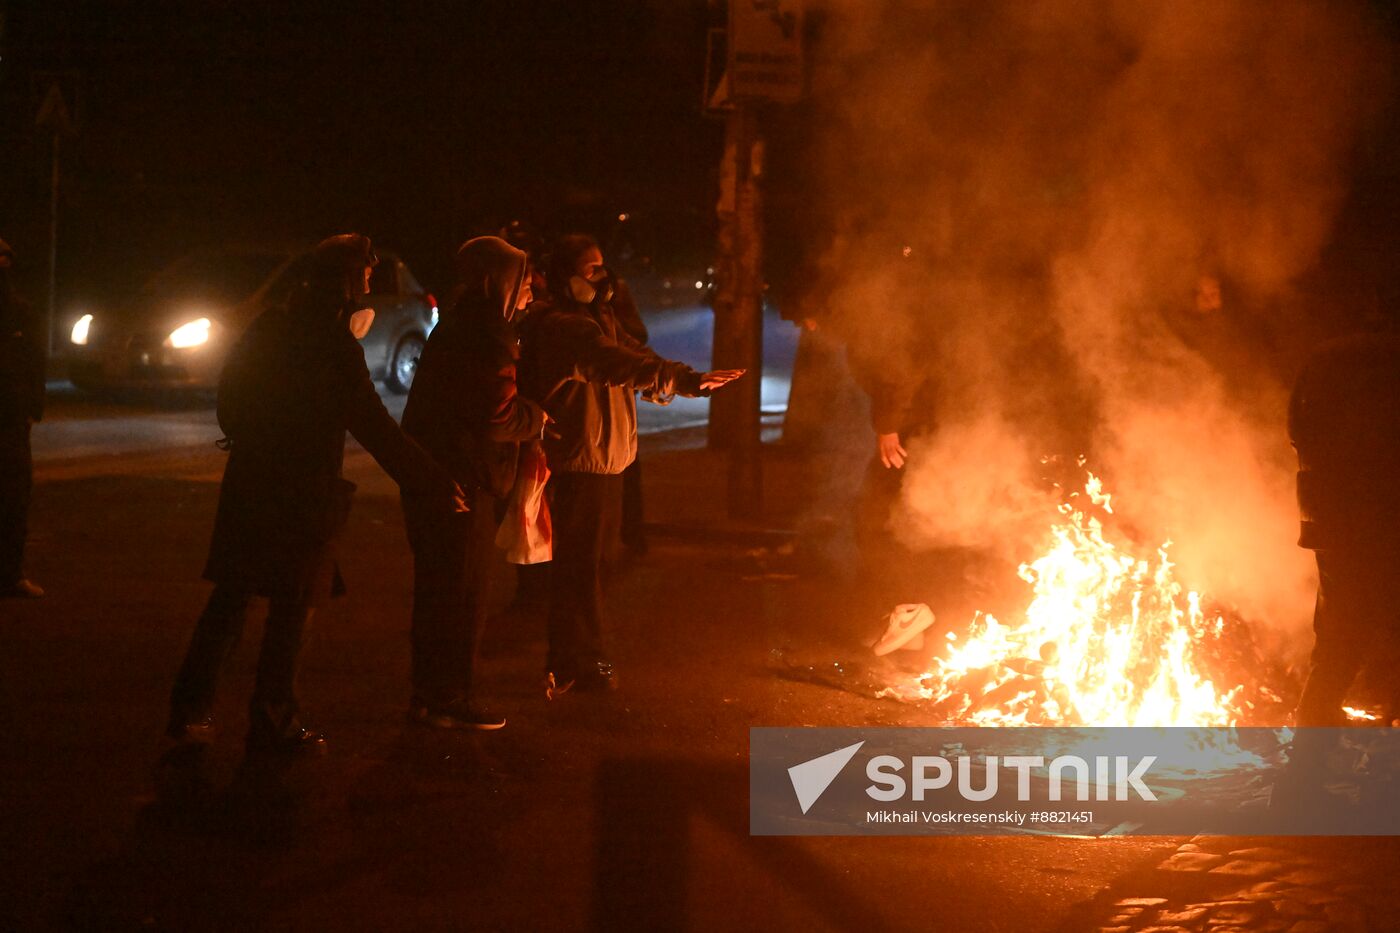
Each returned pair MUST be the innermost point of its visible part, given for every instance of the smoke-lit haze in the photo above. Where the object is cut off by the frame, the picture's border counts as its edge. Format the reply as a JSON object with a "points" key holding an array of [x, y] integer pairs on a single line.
{"points": [[1065, 175]]}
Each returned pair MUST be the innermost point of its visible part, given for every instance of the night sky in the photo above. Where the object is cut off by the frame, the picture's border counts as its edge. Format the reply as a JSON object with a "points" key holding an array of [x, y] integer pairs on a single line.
{"points": [[418, 123]]}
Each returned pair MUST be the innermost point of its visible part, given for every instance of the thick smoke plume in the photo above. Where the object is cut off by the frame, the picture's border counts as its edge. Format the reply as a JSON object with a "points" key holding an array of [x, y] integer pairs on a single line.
{"points": [[1086, 221]]}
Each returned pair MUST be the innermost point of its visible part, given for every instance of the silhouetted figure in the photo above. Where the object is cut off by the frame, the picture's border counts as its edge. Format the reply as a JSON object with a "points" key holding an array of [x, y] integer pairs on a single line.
{"points": [[466, 412], [1344, 420], [903, 406], [23, 348], [294, 383], [584, 370]]}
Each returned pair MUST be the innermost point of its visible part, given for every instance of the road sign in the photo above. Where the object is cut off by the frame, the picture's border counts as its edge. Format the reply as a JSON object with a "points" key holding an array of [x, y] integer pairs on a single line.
{"points": [[57, 94], [765, 50], [716, 102]]}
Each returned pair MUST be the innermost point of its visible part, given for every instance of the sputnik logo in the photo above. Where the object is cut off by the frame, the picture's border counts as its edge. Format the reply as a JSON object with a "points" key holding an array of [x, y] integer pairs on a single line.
{"points": [[811, 778]]}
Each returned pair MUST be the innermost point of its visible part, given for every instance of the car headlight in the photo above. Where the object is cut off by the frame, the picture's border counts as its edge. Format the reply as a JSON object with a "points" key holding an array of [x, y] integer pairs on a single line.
{"points": [[79, 334], [189, 335]]}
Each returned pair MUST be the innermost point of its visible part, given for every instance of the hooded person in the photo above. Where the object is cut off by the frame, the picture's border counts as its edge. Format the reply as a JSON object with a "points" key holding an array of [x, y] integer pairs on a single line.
{"points": [[22, 358], [586, 370], [294, 384], [465, 409]]}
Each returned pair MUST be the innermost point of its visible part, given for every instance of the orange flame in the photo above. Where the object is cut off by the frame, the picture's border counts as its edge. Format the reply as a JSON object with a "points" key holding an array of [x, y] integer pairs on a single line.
{"points": [[1109, 638]]}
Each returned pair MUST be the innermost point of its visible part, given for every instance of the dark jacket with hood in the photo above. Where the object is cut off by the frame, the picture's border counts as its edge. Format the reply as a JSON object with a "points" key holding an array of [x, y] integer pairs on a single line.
{"points": [[23, 347], [584, 368], [293, 385], [464, 407]]}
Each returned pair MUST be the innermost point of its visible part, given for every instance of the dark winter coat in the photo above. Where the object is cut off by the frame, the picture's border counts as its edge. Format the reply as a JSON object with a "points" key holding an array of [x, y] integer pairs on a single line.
{"points": [[464, 408], [581, 365], [23, 353], [898, 404], [1344, 420], [293, 385]]}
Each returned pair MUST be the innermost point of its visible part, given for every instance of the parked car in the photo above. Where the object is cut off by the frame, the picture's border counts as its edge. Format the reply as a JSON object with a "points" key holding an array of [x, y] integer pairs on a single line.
{"points": [[176, 332]]}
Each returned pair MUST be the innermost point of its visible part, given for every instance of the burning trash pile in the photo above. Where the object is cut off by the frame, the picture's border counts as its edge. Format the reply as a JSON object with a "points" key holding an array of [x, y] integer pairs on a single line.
{"points": [[1109, 637]]}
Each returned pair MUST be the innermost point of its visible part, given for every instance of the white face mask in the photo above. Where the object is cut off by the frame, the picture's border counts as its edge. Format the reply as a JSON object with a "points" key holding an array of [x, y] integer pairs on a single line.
{"points": [[360, 322]]}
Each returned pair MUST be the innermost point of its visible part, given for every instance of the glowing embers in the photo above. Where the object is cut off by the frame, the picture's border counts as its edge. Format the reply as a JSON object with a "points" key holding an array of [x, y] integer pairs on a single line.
{"points": [[1109, 637]]}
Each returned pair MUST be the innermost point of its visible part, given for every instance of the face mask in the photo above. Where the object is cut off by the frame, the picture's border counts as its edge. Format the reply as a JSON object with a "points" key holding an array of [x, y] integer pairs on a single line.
{"points": [[582, 290], [360, 322], [597, 288]]}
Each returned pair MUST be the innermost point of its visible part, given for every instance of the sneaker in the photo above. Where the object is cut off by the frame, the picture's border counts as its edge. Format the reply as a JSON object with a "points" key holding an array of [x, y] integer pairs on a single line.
{"points": [[596, 675], [557, 683], [199, 732], [22, 589], [299, 743], [455, 715], [591, 676]]}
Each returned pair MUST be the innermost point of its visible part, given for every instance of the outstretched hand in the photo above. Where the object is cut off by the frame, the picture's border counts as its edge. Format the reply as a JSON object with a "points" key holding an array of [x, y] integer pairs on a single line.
{"points": [[459, 500], [719, 377], [892, 452]]}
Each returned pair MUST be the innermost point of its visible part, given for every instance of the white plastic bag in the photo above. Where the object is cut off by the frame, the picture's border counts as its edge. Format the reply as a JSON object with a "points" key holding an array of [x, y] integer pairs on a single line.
{"points": [[527, 533]]}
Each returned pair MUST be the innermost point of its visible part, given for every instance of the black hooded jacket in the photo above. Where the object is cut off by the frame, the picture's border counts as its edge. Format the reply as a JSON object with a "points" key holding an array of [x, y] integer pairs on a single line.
{"points": [[1344, 421], [294, 383], [464, 407], [22, 356]]}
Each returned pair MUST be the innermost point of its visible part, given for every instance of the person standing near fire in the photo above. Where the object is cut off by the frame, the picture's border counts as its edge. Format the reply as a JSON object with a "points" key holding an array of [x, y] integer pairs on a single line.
{"points": [[293, 385], [1344, 421], [22, 356], [585, 370], [465, 410]]}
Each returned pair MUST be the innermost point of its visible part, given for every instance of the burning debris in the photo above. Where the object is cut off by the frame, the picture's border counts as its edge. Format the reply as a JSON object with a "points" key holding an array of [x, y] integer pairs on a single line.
{"points": [[1109, 637]]}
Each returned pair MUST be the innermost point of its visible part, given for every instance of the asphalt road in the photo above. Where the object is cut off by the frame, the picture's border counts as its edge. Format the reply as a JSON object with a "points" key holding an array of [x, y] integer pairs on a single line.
{"points": [[626, 811], [618, 812]]}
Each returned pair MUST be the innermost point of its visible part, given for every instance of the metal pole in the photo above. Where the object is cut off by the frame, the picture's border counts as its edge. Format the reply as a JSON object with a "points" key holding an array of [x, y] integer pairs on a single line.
{"points": [[53, 245], [745, 479], [726, 354]]}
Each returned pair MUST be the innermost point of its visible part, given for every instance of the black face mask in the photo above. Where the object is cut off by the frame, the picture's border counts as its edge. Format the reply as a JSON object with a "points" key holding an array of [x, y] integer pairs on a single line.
{"points": [[585, 292]]}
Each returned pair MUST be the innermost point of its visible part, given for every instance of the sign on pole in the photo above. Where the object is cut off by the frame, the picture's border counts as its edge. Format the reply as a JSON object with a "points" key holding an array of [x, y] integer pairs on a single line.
{"points": [[765, 50], [54, 115], [57, 96]]}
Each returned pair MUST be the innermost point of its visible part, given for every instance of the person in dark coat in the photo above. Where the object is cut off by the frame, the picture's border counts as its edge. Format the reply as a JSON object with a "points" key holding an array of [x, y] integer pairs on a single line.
{"points": [[585, 370], [23, 349], [1344, 421], [294, 383], [465, 410]]}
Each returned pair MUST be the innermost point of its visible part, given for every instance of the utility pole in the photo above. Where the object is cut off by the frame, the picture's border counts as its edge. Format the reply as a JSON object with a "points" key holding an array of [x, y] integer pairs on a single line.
{"points": [[735, 412], [52, 318], [763, 66], [55, 116]]}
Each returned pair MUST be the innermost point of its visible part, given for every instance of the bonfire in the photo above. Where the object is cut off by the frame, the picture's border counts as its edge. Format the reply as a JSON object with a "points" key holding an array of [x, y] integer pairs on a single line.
{"points": [[1109, 637]]}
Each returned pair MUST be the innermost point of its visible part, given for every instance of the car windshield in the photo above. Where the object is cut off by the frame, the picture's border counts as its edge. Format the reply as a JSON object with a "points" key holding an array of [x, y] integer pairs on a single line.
{"points": [[224, 278]]}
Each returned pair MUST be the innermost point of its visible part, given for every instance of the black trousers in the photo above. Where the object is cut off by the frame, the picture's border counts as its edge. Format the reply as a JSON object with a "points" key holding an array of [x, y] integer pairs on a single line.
{"points": [[452, 558], [273, 709], [585, 508], [633, 513], [16, 486], [1356, 621]]}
